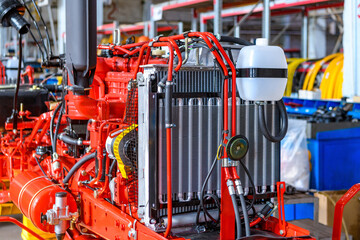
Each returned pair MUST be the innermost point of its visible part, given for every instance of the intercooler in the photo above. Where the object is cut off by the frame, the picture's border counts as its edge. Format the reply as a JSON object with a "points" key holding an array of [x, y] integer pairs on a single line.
{"points": [[197, 116]]}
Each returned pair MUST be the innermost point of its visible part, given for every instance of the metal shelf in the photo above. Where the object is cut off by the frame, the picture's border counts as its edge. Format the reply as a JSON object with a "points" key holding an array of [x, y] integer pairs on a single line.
{"points": [[134, 29], [277, 8]]}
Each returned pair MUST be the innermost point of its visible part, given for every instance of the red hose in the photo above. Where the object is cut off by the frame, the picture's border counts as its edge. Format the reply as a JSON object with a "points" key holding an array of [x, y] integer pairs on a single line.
{"points": [[233, 76], [255, 222], [13, 220]]}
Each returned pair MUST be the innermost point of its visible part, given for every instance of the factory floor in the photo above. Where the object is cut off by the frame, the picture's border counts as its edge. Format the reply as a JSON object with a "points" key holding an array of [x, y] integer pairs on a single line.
{"points": [[10, 231]]}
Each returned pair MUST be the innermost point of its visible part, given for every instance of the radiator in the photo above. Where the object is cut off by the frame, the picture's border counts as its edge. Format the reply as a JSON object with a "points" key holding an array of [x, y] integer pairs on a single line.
{"points": [[197, 115]]}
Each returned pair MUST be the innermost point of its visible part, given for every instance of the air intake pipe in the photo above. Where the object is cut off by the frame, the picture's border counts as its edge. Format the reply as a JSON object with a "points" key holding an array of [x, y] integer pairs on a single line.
{"points": [[81, 43]]}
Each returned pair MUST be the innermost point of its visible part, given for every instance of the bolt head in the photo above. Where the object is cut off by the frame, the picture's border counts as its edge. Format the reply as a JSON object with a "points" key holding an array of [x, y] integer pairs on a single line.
{"points": [[83, 173], [96, 194]]}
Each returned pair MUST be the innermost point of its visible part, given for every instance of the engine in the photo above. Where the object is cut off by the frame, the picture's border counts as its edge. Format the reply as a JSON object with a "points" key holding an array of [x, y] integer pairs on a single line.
{"points": [[151, 140]]}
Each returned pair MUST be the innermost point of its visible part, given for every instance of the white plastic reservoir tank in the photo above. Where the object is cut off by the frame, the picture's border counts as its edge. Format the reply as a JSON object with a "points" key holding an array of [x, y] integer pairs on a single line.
{"points": [[261, 72]]}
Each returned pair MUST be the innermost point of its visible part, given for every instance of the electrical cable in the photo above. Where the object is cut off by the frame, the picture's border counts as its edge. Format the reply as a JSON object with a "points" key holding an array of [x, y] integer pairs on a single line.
{"points": [[252, 184], [45, 27], [37, 28], [235, 40], [37, 43], [42, 170], [54, 142], [14, 114], [284, 122], [202, 196], [52, 120]]}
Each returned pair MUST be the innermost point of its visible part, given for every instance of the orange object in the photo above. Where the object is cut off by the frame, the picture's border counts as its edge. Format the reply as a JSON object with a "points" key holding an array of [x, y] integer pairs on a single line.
{"points": [[34, 194], [143, 39]]}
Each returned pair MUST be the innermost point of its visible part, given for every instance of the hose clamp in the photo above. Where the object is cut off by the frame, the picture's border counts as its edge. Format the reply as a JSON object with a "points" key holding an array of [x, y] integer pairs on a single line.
{"points": [[155, 39], [227, 162]]}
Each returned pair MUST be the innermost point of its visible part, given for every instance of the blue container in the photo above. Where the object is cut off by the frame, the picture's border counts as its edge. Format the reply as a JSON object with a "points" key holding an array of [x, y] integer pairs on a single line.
{"points": [[335, 159], [299, 211]]}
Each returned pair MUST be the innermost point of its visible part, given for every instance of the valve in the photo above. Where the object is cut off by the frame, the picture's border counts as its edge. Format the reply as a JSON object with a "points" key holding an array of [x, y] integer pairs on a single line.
{"points": [[59, 215]]}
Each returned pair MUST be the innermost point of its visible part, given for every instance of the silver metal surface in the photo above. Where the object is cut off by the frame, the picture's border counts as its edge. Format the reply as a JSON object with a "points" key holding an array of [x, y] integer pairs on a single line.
{"points": [[304, 35], [266, 28], [217, 16]]}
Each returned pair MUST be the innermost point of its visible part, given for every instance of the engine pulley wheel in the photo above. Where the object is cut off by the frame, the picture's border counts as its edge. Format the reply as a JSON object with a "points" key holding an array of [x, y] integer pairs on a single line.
{"points": [[237, 147]]}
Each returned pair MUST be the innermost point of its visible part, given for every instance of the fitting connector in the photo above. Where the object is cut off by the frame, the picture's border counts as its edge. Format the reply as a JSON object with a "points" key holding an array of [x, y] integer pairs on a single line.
{"points": [[230, 185], [239, 187]]}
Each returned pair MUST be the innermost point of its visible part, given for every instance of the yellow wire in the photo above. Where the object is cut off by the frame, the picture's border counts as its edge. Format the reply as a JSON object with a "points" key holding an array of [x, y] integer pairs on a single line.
{"points": [[293, 65], [311, 75], [218, 152]]}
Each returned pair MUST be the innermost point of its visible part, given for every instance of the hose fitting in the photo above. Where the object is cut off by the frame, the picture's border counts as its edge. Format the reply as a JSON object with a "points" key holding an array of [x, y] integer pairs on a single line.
{"points": [[231, 188], [239, 187]]}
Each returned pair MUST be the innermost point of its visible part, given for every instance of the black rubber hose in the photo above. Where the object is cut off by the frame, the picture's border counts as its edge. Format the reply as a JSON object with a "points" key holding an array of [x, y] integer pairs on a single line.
{"points": [[284, 122], [52, 122], [69, 140], [42, 170], [237, 217], [236, 40], [54, 143], [112, 166], [78, 165], [246, 216], [252, 184], [102, 179]]}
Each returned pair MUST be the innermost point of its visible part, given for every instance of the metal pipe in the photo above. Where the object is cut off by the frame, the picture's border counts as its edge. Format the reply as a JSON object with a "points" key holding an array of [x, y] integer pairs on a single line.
{"points": [[304, 35], [266, 20], [217, 17], [194, 20]]}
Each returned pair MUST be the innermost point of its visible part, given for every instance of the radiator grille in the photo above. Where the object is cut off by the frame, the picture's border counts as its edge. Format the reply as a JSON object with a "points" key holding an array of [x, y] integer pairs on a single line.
{"points": [[198, 119]]}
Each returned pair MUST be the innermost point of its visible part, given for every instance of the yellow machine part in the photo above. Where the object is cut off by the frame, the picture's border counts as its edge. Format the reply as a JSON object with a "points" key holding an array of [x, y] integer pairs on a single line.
{"points": [[8, 209], [25, 235], [293, 65], [331, 81], [339, 84], [311, 75], [121, 165]]}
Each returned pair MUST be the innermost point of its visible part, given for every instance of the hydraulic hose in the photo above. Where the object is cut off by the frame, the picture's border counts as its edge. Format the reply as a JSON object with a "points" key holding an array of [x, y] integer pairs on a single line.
{"points": [[230, 185], [284, 122], [57, 127], [53, 120], [237, 217], [235, 40], [246, 216], [78, 165]]}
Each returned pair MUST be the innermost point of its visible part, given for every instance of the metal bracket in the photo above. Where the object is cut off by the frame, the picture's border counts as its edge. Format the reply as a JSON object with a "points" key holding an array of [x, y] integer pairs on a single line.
{"points": [[155, 39], [280, 195]]}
